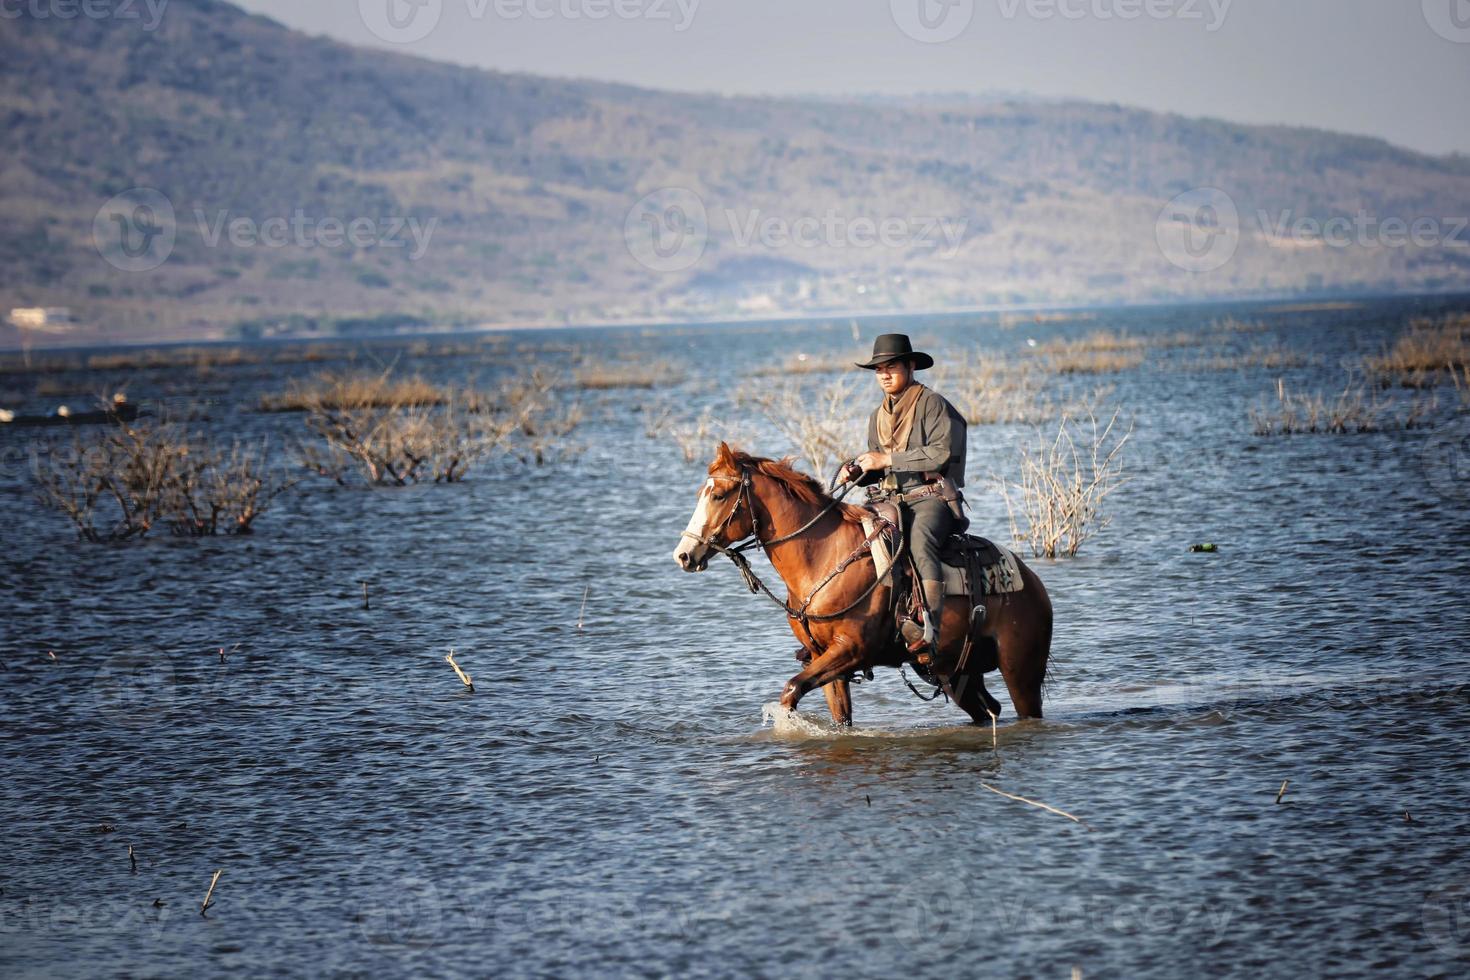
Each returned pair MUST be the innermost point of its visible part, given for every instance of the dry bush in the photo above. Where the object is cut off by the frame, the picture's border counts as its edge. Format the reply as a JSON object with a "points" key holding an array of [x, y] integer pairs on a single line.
{"points": [[1065, 480], [803, 364], [996, 391], [819, 422], [637, 374], [1107, 341], [1349, 411], [389, 443], [356, 391], [695, 436], [1094, 362], [1425, 355], [127, 480]]}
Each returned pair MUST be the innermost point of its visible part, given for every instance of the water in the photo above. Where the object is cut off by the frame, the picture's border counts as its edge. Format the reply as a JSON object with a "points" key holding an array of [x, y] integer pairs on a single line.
{"points": [[621, 798]]}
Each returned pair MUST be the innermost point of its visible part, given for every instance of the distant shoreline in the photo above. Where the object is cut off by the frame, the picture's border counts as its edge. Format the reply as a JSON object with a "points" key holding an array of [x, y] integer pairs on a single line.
{"points": [[1278, 303]]}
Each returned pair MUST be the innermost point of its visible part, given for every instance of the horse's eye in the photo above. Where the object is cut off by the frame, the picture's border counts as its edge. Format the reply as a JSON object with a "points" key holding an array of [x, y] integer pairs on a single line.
{"points": [[719, 496]]}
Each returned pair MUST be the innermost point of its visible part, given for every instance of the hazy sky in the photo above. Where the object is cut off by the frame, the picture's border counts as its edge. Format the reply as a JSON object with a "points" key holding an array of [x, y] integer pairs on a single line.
{"points": [[1399, 69]]}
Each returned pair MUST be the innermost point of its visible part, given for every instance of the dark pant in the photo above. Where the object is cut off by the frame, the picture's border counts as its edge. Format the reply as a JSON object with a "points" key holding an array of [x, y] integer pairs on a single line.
{"points": [[929, 523]]}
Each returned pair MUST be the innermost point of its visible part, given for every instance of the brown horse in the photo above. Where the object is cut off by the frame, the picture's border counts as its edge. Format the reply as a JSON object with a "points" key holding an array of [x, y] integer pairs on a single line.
{"points": [[849, 625]]}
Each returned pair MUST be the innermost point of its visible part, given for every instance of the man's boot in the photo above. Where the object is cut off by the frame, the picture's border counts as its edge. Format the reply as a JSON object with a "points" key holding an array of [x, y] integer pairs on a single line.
{"points": [[925, 641]]}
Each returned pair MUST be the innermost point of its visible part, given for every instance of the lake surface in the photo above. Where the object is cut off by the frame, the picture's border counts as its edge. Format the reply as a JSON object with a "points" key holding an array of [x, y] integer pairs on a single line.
{"points": [[613, 799]]}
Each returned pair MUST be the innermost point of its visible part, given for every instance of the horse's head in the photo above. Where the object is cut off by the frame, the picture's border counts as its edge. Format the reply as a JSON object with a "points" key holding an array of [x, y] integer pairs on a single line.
{"points": [[722, 513]]}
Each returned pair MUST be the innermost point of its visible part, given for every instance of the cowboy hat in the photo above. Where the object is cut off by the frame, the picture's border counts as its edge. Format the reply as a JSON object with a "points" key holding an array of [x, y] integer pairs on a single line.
{"points": [[896, 346]]}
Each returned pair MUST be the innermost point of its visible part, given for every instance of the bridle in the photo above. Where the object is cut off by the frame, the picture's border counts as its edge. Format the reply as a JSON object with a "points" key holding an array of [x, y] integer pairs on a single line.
{"points": [[735, 551]]}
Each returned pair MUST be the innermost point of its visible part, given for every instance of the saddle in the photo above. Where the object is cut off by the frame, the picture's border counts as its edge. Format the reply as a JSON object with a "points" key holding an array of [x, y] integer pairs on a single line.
{"points": [[973, 566]]}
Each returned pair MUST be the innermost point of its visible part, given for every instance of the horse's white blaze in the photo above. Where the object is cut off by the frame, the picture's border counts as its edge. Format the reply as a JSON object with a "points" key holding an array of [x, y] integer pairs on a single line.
{"points": [[689, 540]]}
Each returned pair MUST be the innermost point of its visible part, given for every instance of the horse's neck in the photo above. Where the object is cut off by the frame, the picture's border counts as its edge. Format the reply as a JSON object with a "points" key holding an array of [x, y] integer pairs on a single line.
{"points": [[810, 555]]}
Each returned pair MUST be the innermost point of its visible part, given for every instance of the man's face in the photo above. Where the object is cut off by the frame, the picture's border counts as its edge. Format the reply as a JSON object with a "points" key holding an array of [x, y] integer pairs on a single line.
{"points": [[894, 376]]}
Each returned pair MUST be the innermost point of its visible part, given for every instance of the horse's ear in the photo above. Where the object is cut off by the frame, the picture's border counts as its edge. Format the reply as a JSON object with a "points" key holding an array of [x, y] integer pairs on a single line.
{"points": [[725, 456]]}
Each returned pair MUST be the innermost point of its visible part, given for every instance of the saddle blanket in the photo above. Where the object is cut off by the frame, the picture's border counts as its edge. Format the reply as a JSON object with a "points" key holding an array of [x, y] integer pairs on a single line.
{"points": [[966, 558]]}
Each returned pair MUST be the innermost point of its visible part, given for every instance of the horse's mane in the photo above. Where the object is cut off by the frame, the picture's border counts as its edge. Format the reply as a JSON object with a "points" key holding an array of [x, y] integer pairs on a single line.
{"points": [[796, 483]]}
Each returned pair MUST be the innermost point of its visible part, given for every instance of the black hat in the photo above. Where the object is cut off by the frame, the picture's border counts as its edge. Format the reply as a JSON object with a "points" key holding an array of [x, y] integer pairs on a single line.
{"points": [[896, 346]]}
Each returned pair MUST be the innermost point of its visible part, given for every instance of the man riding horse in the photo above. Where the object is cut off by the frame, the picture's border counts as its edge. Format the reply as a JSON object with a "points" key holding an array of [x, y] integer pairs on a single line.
{"points": [[840, 603], [916, 453]]}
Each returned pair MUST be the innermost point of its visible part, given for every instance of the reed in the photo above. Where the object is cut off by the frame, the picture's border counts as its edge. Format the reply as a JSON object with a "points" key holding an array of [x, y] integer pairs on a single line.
{"points": [[353, 392], [1350, 411], [1430, 352], [652, 374], [799, 364], [1094, 362], [1268, 358]]}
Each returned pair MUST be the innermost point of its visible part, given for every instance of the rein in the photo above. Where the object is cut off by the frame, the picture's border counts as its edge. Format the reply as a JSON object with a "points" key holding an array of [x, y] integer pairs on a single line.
{"points": [[736, 553]]}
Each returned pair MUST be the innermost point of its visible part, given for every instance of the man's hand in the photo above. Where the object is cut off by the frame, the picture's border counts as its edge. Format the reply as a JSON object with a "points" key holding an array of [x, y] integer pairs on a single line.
{"points": [[874, 461]]}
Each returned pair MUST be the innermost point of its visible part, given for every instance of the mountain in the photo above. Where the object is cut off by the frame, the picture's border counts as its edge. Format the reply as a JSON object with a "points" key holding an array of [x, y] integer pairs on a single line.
{"points": [[222, 173]]}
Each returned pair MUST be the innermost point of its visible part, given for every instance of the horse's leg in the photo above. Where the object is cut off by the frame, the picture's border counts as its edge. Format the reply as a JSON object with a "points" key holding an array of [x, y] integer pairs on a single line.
{"points": [[1024, 635], [839, 701], [841, 658], [972, 698]]}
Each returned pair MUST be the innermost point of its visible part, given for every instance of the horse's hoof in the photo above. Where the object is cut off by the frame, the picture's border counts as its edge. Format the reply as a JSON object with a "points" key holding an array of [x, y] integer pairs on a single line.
{"points": [[790, 695]]}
